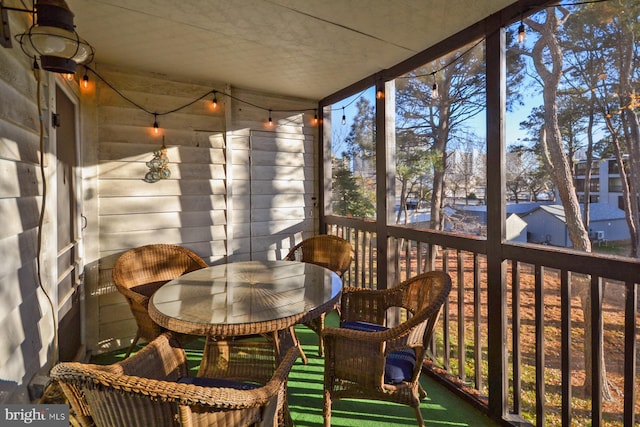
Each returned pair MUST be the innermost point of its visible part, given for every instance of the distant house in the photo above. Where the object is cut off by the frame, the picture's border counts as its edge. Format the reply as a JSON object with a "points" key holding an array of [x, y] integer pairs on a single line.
{"points": [[547, 224], [479, 212], [516, 229]]}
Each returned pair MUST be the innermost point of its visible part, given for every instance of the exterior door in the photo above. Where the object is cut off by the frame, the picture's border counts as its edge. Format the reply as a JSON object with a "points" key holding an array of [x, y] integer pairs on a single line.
{"points": [[69, 256]]}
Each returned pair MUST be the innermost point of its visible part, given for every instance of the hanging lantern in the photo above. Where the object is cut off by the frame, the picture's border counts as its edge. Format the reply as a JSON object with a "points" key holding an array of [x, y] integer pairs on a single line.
{"points": [[53, 39]]}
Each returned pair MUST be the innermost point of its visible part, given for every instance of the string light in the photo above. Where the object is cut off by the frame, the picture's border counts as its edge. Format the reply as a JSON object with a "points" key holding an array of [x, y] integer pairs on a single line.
{"points": [[445, 66], [522, 34], [434, 88], [379, 93], [85, 79], [213, 92], [315, 118]]}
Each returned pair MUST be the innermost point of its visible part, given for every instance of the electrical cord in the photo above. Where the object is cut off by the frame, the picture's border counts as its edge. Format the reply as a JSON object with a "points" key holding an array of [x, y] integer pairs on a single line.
{"points": [[181, 107], [38, 77]]}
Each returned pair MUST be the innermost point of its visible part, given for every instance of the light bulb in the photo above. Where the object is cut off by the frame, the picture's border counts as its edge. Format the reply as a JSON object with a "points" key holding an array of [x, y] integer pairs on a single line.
{"points": [[434, 91], [85, 80], [344, 118], [522, 34], [270, 119], [215, 101], [156, 128]]}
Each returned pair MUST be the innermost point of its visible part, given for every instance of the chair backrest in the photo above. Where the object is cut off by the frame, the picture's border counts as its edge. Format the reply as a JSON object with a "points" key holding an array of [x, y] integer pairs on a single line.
{"points": [[154, 263], [421, 296], [332, 252], [139, 272], [425, 290], [144, 390], [122, 394]]}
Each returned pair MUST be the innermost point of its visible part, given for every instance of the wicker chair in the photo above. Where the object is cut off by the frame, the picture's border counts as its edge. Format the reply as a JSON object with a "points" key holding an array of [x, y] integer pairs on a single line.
{"points": [[139, 272], [366, 360], [151, 388], [332, 252]]}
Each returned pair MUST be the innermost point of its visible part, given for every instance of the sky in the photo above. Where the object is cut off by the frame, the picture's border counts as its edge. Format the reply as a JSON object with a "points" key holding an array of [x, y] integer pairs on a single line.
{"points": [[478, 124]]}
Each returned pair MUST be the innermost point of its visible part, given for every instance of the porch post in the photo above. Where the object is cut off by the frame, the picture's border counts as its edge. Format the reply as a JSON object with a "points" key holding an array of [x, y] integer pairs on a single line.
{"points": [[496, 213], [385, 182], [324, 174]]}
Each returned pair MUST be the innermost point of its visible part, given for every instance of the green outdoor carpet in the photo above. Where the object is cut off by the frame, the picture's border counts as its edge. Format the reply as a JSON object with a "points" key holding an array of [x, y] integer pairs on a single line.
{"points": [[440, 408]]}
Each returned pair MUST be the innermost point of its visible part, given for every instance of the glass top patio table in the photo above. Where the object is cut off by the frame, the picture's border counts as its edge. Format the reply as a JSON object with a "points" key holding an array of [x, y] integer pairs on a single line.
{"points": [[245, 298]]}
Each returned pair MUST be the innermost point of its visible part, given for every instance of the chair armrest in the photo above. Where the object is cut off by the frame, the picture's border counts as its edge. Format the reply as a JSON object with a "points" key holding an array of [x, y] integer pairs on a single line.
{"points": [[184, 394], [281, 374]]}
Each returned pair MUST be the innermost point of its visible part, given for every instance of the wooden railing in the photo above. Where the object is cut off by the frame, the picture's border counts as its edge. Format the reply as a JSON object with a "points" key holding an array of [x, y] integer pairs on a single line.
{"points": [[546, 295]]}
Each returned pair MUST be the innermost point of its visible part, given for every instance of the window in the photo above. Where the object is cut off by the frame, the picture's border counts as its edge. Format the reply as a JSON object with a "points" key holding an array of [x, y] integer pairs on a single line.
{"points": [[353, 156], [615, 185], [574, 77], [592, 96], [581, 168], [440, 143], [594, 184]]}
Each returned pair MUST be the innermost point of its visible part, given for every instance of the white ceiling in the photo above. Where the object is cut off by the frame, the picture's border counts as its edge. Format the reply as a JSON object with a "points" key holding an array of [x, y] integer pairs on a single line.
{"points": [[303, 48]]}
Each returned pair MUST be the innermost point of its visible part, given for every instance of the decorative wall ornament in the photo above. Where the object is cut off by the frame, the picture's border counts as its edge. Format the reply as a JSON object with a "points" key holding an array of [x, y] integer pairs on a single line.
{"points": [[158, 166]]}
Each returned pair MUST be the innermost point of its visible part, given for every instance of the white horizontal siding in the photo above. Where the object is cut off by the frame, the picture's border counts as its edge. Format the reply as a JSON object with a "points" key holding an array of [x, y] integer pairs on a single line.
{"points": [[188, 209], [238, 189], [164, 203], [26, 323]]}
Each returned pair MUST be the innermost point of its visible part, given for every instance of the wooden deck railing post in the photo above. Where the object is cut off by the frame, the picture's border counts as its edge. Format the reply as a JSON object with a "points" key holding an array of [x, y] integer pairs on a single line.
{"points": [[565, 351], [630, 352], [496, 266]]}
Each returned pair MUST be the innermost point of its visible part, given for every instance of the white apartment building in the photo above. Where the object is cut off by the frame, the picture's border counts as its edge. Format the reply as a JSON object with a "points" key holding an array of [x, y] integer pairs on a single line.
{"points": [[605, 184]]}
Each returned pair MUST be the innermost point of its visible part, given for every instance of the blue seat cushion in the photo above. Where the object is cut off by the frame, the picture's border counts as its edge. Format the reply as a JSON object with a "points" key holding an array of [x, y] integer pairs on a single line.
{"points": [[218, 383], [399, 365], [363, 326]]}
